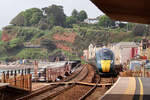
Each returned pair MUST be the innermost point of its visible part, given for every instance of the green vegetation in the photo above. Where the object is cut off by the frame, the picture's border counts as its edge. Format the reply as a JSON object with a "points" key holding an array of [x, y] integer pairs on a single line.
{"points": [[106, 22], [0, 33], [37, 27], [0, 36], [75, 18], [30, 53], [47, 17]]}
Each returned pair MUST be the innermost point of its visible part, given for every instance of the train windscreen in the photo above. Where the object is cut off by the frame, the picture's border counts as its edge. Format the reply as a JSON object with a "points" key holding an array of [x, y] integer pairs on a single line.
{"points": [[106, 55]]}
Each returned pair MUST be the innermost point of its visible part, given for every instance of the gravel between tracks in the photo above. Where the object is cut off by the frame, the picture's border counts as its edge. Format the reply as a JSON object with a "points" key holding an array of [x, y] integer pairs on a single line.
{"points": [[77, 91]]}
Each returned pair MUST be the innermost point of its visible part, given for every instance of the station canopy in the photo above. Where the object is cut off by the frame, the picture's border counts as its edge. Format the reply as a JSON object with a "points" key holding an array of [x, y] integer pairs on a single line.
{"points": [[137, 11]]}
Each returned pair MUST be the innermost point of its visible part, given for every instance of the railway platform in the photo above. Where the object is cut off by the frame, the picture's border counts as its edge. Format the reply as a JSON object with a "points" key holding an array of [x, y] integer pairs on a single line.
{"points": [[3, 85], [129, 88]]}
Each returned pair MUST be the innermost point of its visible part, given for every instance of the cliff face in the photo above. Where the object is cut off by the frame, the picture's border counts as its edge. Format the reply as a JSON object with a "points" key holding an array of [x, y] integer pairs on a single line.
{"points": [[68, 37], [5, 37], [61, 40], [14, 35], [8, 34]]}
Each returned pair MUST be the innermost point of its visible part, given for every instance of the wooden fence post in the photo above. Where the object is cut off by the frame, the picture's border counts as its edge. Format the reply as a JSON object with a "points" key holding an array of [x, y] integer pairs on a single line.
{"points": [[45, 74], [29, 80], [15, 74], [7, 77], [22, 79], [3, 77]]}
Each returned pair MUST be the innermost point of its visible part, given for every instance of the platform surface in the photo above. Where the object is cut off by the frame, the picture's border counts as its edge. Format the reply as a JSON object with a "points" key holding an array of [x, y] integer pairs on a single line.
{"points": [[129, 88], [3, 85]]}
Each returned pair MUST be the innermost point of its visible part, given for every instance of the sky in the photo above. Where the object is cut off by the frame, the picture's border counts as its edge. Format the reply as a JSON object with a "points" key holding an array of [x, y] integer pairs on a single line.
{"points": [[10, 8]]}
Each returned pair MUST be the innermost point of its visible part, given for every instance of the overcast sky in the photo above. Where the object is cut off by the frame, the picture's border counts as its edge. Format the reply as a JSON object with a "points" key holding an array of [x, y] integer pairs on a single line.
{"points": [[10, 8]]}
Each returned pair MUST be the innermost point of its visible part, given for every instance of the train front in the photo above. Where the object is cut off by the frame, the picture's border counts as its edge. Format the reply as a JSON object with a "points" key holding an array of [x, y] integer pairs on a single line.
{"points": [[105, 61]]}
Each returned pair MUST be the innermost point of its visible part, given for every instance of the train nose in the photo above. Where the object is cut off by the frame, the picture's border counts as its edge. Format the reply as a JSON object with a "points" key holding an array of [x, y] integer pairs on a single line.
{"points": [[105, 64]]}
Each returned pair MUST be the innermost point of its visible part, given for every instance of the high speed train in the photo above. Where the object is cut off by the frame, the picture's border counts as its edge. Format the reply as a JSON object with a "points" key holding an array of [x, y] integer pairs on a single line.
{"points": [[104, 61]]}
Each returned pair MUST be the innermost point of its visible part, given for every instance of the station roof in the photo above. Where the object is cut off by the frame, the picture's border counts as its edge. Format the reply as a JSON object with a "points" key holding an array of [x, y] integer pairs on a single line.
{"points": [[126, 10]]}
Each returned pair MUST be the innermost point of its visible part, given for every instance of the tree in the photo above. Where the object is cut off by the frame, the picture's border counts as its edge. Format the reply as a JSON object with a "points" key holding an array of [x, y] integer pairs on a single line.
{"points": [[32, 16], [55, 15], [0, 34], [43, 24], [70, 21], [106, 22], [75, 13], [130, 26], [82, 15], [79, 16], [140, 30], [27, 18], [19, 20], [14, 43]]}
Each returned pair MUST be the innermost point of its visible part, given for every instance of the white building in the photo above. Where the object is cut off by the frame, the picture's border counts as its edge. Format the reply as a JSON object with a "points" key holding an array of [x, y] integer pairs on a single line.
{"points": [[92, 50], [86, 54], [91, 20], [124, 51]]}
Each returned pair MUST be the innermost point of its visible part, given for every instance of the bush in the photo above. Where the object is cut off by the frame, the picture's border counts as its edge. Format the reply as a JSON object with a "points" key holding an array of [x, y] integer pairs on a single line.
{"points": [[31, 53], [0, 34], [140, 30], [15, 42], [48, 44], [28, 33], [57, 29]]}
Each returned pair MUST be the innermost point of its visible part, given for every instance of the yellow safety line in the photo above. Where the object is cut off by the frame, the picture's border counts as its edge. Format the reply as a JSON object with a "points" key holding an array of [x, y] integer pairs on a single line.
{"points": [[141, 89], [130, 89], [131, 86]]}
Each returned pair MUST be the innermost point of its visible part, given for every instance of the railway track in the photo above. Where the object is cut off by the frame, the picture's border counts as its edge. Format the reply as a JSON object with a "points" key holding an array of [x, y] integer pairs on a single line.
{"points": [[91, 94], [77, 90], [90, 91], [87, 92], [54, 90], [85, 85]]}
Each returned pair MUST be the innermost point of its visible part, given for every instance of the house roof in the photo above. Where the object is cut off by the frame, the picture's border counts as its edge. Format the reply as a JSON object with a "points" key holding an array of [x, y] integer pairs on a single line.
{"points": [[126, 44]]}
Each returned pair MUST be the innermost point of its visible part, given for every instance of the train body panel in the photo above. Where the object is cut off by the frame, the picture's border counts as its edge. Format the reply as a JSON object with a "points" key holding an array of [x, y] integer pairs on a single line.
{"points": [[104, 61], [105, 64]]}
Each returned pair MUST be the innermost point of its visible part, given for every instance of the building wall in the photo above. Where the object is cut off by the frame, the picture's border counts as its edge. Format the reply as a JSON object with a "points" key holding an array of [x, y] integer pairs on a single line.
{"points": [[116, 52], [86, 54], [92, 50], [123, 53]]}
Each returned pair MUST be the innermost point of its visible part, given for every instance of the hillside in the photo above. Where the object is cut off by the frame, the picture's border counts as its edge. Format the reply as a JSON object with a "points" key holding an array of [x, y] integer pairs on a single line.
{"points": [[0, 34], [55, 42], [58, 41], [45, 37]]}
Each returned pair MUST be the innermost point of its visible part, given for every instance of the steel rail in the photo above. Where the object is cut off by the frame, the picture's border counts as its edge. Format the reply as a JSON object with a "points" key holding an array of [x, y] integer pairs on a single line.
{"points": [[48, 88]]}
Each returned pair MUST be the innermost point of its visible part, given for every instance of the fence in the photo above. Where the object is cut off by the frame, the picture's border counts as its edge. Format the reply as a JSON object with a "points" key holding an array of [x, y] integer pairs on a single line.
{"points": [[140, 73], [53, 73], [18, 78]]}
